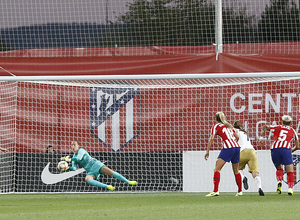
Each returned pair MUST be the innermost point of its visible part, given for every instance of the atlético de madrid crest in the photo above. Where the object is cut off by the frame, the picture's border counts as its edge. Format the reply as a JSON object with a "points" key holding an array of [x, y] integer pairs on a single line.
{"points": [[115, 115]]}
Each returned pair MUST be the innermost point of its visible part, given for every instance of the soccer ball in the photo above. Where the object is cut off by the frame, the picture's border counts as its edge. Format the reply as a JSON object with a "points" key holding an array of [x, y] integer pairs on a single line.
{"points": [[62, 166]]}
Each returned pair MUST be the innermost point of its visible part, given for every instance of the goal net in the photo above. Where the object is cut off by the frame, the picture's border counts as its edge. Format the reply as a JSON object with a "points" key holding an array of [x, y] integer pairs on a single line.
{"points": [[249, 27], [152, 131]]}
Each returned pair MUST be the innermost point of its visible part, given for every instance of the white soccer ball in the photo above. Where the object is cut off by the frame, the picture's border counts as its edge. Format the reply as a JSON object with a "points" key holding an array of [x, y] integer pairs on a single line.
{"points": [[62, 166]]}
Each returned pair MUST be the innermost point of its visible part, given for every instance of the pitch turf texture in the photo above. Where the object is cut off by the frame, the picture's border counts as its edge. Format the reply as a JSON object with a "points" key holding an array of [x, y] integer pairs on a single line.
{"points": [[142, 206]]}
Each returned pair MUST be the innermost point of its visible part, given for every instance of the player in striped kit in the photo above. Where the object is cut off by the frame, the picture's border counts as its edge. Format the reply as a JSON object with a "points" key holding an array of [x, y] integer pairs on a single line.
{"points": [[247, 156], [281, 151], [230, 152]]}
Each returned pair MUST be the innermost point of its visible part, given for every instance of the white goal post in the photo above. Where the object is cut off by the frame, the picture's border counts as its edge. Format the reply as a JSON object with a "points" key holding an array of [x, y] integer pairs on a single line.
{"points": [[149, 76], [150, 130]]}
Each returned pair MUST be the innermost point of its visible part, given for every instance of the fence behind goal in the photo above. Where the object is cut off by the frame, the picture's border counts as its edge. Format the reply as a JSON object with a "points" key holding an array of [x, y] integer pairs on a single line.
{"points": [[152, 131]]}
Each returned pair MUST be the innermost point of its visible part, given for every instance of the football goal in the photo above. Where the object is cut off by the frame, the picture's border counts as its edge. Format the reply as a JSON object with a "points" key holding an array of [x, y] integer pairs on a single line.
{"points": [[154, 131]]}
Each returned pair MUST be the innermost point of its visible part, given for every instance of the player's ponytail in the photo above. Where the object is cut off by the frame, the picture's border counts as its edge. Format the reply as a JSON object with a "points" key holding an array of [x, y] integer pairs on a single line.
{"points": [[239, 125], [220, 117]]}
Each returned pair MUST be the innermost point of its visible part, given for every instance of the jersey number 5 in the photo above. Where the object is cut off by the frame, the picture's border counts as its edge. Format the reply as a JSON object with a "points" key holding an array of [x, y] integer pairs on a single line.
{"points": [[282, 135]]}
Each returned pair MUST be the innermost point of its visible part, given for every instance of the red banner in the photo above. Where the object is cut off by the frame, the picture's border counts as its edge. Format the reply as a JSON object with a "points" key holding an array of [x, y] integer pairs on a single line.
{"points": [[146, 119], [151, 60]]}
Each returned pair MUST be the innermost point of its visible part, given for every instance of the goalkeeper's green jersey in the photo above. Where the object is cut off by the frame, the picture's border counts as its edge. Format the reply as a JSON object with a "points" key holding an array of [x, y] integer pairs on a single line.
{"points": [[83, 159]]}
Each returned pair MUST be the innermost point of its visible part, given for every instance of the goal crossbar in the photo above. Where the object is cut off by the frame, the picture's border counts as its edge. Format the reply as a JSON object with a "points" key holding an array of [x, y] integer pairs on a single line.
{"points": [[151, 76]]}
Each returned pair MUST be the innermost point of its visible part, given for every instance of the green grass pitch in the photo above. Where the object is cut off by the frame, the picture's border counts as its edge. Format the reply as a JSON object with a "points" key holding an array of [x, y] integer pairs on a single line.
{"points": [[142, 206]]}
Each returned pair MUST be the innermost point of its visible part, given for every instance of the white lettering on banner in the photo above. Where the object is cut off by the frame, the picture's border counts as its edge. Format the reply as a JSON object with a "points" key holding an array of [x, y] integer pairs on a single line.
{"points": [[256, 100], [269, 100], [232, 106], [253, 101], [289, 96]]}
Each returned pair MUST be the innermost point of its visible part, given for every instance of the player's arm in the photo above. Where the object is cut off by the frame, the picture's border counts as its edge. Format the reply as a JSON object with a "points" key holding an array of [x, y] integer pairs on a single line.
{"points": [[264, 129], [235, 134], [74, 166], [263, 133], [210, 141], [296, 146], [77, 157], [74, 163], [3, 149]]}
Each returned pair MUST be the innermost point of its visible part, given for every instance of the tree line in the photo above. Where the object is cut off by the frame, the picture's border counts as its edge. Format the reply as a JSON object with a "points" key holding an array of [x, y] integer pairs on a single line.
{"points": [[192, 23]]}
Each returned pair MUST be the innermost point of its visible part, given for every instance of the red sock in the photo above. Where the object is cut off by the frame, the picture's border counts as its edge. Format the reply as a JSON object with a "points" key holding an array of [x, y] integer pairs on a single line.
{"points": [[279, 175], [290, 179], [238, 179], [216, 181]]}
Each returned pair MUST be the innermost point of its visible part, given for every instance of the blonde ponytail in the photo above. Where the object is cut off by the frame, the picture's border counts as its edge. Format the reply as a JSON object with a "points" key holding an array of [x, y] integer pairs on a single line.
{"points": [[221, 118]]}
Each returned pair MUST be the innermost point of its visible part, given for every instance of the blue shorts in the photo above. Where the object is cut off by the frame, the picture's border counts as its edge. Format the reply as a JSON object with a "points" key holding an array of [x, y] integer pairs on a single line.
{"points": [[96, 169], [230, 154], [281, 156]]}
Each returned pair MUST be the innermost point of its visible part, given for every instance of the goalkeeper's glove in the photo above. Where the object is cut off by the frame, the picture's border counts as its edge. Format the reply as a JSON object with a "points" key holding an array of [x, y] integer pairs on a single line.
{"points": [[67, 159]]}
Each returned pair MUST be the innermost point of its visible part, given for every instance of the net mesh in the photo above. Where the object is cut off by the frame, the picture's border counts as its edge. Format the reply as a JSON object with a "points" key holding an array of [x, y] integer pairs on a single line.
{"points": [[144, 129], [137, 130], [248, 26]]}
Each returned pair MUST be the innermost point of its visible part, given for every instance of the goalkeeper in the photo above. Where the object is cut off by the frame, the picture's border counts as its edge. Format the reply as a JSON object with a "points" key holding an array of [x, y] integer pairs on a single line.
{"points": [[93, 167]]}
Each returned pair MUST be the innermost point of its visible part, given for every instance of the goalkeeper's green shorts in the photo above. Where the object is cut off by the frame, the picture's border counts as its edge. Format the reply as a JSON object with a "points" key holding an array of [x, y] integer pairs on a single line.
{"points": [[96, 169]]}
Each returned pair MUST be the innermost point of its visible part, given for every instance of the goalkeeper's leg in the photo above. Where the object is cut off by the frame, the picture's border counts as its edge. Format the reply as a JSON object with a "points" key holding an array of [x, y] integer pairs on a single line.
{"points": [[90, 180], [117, 175]]}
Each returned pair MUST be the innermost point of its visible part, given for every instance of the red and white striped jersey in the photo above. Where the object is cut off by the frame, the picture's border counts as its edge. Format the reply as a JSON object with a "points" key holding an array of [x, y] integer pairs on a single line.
{"points": [[226, 135], [282, 136]]}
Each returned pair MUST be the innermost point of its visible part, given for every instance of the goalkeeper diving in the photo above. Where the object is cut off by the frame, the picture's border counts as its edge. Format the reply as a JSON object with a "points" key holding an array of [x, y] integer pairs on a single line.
{"points": [[93, 167]]}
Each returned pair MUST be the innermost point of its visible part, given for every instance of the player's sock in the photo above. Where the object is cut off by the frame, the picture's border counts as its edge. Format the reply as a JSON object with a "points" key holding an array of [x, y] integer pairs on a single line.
{"points": [[216, 181], [242, 175], [257, 179], [279, 175], [238, 180], [120, 177], [96, 183], [290, 179]]}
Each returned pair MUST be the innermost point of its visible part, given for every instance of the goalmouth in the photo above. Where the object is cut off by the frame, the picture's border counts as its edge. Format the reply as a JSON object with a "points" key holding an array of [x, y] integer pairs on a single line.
{"points": [[153, 130]]}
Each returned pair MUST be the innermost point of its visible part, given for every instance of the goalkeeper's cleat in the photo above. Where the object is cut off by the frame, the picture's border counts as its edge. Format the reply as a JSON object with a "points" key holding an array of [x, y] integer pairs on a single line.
{"points": [[290, 192], [261, 192], [239, 193], [211, 194], [245, 183], [279, 187], [132, 183], [111, 188]]}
